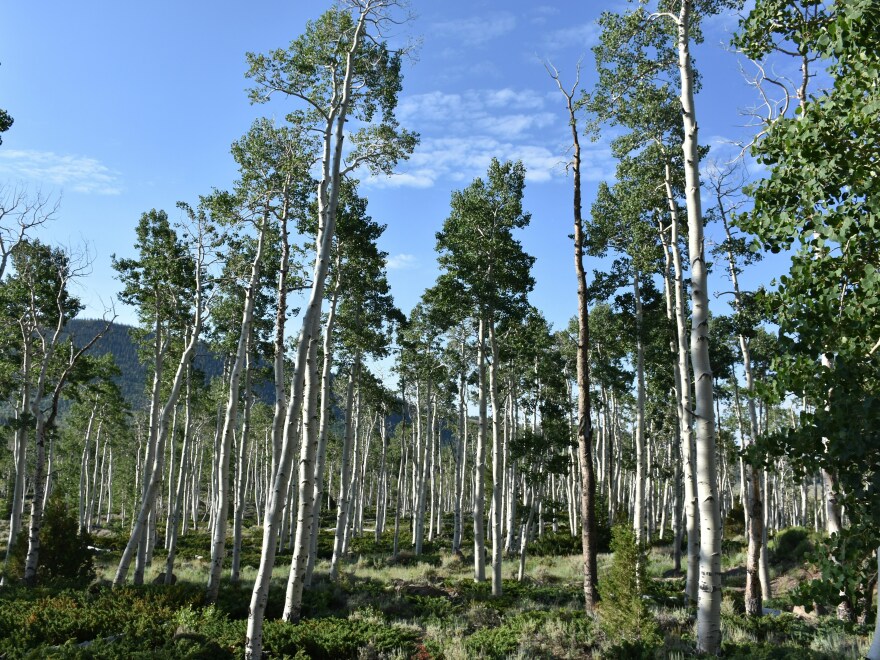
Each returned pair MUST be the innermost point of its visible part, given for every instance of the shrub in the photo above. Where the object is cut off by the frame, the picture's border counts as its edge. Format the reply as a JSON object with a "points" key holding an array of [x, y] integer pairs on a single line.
{"points": [[791, 544], [623, 614], [735, 522], [64, 555], [564, 543], [334, 639], [555, 543]]}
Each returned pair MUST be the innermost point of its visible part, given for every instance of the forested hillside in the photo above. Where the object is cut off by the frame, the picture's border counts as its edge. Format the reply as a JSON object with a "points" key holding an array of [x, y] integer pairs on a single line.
{"points": [[277, 460]]}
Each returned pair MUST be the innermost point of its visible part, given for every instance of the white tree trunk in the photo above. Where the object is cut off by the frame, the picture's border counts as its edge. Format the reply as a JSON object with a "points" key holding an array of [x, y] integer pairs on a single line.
{"points": [[639, 517], [709, 600], [345, 470], [305, 498], [136, 541], [230, 421], [177, 510], [497, 471], [84, 469], [241, 473], [685, 408], [480, 463], [322, 434]]}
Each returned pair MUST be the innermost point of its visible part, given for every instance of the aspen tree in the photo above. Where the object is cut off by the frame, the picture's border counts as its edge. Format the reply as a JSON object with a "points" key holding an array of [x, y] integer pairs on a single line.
{"points": [[816, 200], [44, 275], [484, 267], [584, 411], [327, 70], [144, 279]]}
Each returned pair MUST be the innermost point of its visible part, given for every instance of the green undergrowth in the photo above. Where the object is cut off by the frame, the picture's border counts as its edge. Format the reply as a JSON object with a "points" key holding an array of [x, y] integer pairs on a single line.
{"points": [[412, 606]]}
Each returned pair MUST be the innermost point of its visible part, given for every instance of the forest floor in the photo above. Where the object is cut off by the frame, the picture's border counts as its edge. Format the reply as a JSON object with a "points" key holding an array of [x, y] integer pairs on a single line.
{"points": [[411, 607]]}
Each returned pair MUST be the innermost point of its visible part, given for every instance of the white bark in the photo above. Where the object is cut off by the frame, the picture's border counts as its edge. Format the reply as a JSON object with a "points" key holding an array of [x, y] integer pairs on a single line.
{"points": [[460, 458], [709, 599], [685, 409], [84, 468], [221, 503], [497, 472], [305, 518], [345, 470], [322, 433], [480, 463], [639, 517], [138, 535], [177, 505], [241, 474]]}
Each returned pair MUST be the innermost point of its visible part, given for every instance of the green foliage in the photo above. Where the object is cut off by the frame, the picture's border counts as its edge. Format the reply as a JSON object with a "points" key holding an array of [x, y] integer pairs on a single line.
{"points": [[787, 637], [848, 571], [554, 544], [483, 266], [517, 632], [822, 199], [64, 556], [33, 618], [551, 544], [623, 614], [791, 544], [734, 521], [314, 67], [333, 639]]}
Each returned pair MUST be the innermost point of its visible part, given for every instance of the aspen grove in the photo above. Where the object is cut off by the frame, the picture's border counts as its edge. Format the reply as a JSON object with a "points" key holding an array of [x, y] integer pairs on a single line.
{"points": [[278, 460]]}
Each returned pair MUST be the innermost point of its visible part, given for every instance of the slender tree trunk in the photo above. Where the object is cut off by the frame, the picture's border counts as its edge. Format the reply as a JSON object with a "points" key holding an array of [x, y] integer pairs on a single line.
{"points": [[480, 463], [401, 488], [155, 469], [524, 534], [584, 422], [90, 508], [104, 481], [230, 421], [45, 424], [685, 408], [177, 510], [345, 470], [241, 473], [754, 504], [497, 471], [322, 432], [709, 600], [305, 498], [640, 518], [83, 472], [460, 458], [281, 476]]}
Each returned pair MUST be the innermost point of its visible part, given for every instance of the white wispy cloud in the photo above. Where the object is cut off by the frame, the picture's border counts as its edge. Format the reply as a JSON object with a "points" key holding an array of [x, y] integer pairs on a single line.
{"points": [[477, 30], [468, 105], [582, 35], [541, 13], [724, 151], [419, 178], [462, 132], [401, 261], [509, 127], [72, 173], [460, 159]]}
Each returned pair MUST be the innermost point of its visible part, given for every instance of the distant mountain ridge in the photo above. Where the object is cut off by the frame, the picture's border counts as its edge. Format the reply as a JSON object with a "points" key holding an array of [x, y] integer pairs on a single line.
{"points": [[132, 381], [119, 342]]}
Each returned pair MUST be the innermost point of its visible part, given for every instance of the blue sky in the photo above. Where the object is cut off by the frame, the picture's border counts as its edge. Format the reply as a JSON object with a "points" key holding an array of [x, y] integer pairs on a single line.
{"points": [[123, 107]]}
